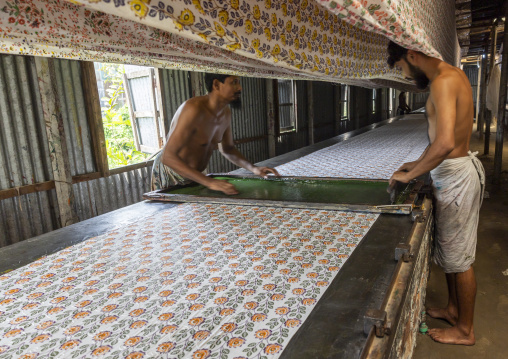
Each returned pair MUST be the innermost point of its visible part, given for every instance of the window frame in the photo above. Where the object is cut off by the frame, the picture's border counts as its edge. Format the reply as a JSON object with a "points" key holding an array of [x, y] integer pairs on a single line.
{"points": [[344, 101], [293, 104]]}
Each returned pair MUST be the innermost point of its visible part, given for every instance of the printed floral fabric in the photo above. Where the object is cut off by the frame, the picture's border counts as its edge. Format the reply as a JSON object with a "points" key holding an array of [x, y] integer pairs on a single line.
{"points": [[197, 281], [372, 155], [420, 25], [295, 39]]}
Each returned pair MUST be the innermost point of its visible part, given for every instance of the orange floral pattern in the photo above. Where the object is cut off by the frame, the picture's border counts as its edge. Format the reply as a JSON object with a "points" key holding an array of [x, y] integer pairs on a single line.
{"points": [[243, 301], [412, 23]]}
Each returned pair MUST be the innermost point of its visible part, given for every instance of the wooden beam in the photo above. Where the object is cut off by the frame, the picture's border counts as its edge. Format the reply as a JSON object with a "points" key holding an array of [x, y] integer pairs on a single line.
{"points": [[156, 116], [310, 112], [94, 116], [501, 108], [483, 93], [337, 97], [56, 139], [49, 185], [478, 91], [22, 190], [163, 111], [128, 168], [270, 116], [488, 120], [86, 177]]}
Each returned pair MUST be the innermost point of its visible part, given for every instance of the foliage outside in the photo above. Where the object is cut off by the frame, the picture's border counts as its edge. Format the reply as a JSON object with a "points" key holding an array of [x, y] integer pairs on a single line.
{"points": [[117, 122]]}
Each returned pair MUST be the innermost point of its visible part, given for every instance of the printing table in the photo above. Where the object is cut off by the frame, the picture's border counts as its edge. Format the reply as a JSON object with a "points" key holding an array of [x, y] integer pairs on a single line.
{"points": [[372, 307]]}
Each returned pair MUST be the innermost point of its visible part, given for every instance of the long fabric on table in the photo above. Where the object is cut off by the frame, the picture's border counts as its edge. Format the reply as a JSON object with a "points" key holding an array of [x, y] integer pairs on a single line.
{"points": [[197, 281], [373, 155]]}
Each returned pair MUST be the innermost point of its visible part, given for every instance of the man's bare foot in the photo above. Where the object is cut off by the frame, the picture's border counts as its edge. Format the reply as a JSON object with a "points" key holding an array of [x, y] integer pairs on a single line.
{"points": [[443, 313], [452, 335]]}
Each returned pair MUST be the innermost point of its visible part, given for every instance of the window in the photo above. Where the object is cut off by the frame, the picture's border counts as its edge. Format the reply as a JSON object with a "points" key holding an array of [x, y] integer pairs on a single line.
{"points": [[287, 105], [344, 102], [130, 112], [374, 101], [392, 102]]}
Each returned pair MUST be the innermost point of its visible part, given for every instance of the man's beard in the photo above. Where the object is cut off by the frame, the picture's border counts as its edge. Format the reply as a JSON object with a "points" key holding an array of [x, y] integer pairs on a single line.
{"points": [[237, 103], [418, 76]]}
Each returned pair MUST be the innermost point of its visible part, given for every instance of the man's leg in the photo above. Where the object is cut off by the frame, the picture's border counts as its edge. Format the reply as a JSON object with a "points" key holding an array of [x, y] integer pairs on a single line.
{"points": [[450, 312], [462, 333]]}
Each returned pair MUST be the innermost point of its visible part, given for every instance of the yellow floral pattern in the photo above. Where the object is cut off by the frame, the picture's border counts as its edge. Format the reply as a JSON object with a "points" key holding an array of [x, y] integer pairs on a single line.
{"points": [[197, 281], [248, 38]]}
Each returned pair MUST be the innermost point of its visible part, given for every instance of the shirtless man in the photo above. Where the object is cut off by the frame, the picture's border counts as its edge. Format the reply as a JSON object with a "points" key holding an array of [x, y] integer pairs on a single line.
{"points": [[457, 182], [201, 125], [403, 107]]}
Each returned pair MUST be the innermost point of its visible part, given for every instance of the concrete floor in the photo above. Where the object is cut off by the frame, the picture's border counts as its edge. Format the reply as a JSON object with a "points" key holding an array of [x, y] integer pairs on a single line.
{"points": [[491, 311]]}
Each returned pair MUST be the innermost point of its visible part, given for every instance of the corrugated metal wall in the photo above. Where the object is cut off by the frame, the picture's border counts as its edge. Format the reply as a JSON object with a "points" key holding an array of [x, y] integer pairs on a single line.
{"points": [[24, 157], [24, 154], [176, 89], [324, 111], [247, 122], [361, 99], [472, 74], [103, 195], [418, 100]]}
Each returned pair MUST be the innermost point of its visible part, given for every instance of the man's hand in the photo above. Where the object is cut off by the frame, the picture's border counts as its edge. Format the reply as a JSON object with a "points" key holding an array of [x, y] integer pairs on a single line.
{"points": [[399, 176], [263, 171], [408, 166], [222, 186]]}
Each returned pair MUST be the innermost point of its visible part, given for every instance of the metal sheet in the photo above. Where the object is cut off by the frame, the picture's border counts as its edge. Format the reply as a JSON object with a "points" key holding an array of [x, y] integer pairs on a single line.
{"points": [[176, 90], [24, 155]]}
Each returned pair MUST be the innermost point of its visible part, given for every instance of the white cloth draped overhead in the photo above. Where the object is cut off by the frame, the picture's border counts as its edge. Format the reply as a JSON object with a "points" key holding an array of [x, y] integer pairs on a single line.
{"points": [[339, 41]]}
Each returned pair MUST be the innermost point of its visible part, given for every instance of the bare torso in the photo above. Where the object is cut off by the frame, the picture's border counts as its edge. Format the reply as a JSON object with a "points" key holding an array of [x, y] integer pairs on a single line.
{"points": [[206, 132], [464, 111]]}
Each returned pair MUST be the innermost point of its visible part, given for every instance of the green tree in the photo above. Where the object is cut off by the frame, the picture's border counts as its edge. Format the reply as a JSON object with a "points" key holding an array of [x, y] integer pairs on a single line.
{"points": [[117, 122]]}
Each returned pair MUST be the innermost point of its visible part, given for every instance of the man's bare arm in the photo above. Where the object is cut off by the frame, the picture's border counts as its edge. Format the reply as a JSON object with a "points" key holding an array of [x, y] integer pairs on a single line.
{"points": [[228, 149], [444, 98], [408, 166]]}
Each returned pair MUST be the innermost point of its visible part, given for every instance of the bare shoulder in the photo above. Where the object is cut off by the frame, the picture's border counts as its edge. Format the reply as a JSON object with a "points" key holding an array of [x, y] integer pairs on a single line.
{"points": [[447, 83], [194, 107], [449, 77]]}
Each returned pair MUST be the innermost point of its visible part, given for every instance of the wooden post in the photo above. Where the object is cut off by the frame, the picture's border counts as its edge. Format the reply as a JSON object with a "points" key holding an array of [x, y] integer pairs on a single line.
{"points": [[310, 112], [357, 96], [56, 139], [483, 90], [488, 118], [270, 117], [156, 116], [197, 83], [162, 104], [478, 92], [94, 116], [501, 107], [337, 94]]}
